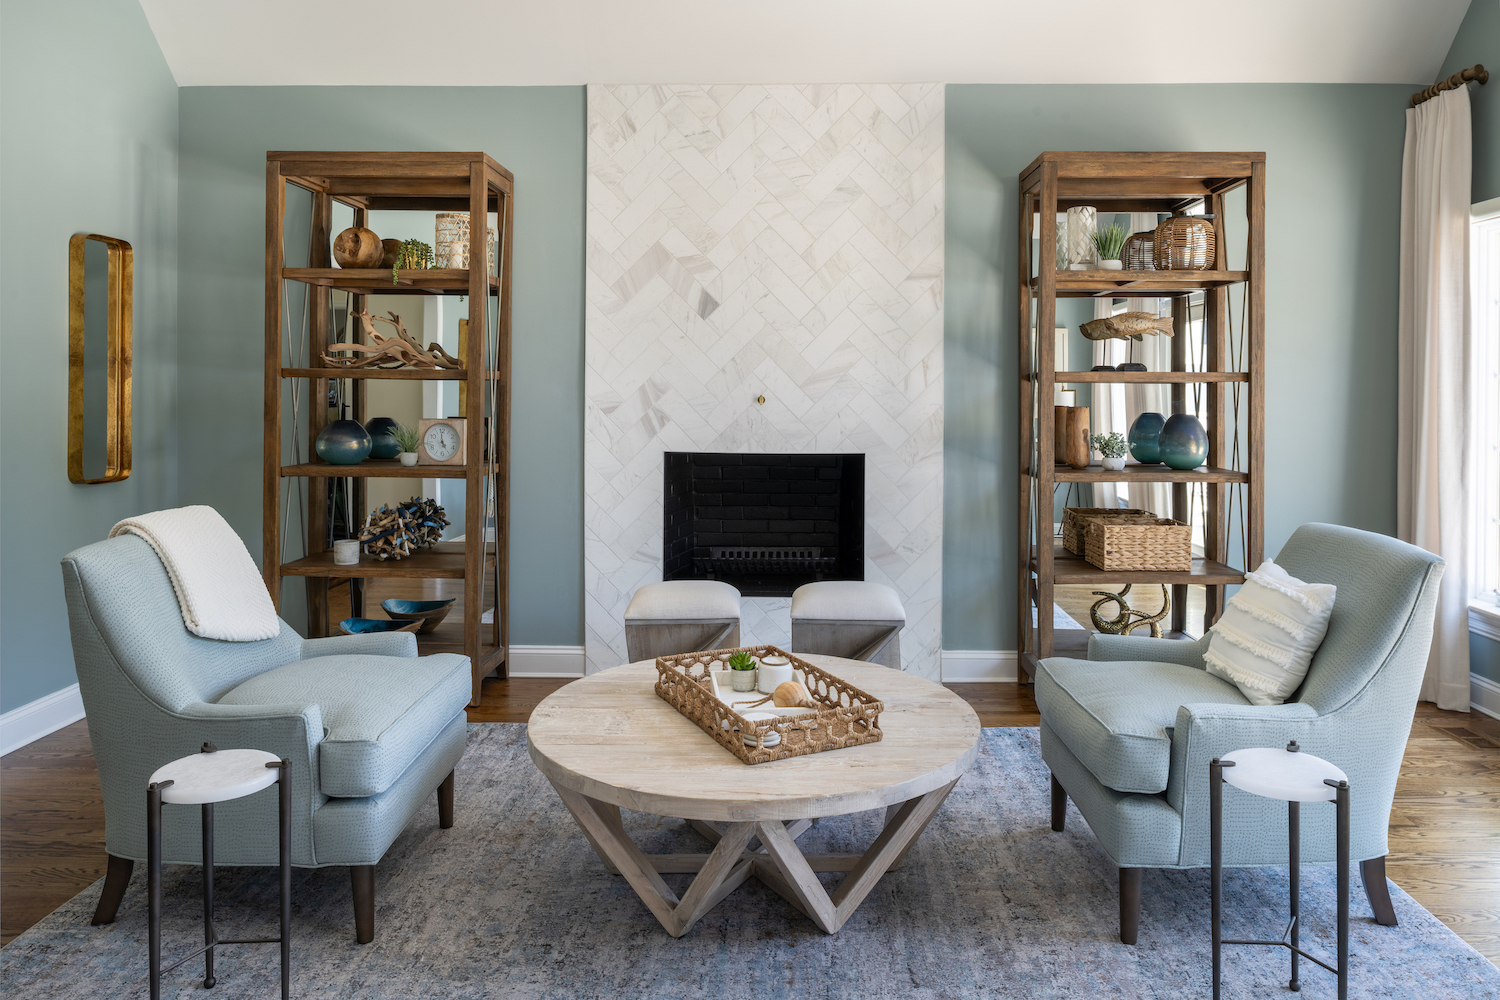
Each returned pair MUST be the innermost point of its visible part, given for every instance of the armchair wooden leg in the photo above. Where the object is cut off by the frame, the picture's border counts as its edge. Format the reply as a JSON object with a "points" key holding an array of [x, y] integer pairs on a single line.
{"points": [[445, 802], [362, 881], [1372, 873], [1059, 805], [116, 880], [1130, 904]]}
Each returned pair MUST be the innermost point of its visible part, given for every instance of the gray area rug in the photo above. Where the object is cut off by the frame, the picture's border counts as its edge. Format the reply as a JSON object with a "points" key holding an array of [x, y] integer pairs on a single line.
{"points": [[511, 903]]}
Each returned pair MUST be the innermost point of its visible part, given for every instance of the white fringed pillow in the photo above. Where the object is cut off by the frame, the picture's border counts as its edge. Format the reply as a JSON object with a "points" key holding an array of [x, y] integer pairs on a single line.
{"points": [[1267, 635]]}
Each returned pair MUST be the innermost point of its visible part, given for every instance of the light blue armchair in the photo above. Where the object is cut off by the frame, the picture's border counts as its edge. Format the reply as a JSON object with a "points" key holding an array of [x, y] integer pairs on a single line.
{"points": [[1129, 732], [370, 728]]}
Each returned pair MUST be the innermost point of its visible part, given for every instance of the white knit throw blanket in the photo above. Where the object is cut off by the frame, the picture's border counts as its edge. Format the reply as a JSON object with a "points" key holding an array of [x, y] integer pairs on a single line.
{"points": [[219, 590]]}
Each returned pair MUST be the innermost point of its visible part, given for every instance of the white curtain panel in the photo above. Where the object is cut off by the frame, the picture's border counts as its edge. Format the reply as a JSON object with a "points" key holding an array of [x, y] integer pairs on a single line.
{"points": [[1436, 389], [1107, 408]]}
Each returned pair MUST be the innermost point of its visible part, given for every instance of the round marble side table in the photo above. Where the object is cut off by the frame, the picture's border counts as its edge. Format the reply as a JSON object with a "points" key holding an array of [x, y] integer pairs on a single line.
{"points": [[210, 776], [1295, 778]]}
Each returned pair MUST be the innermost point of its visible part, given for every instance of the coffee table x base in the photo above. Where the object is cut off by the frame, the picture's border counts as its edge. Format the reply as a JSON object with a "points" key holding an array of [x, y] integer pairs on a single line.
{"points": [[777, 861]]}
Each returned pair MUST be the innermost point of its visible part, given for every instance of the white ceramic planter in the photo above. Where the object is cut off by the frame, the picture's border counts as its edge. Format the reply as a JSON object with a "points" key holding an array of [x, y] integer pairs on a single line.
{"points": [[408, 458], [1112, 464], [742, 681], [346, 552], [1110, 265]]}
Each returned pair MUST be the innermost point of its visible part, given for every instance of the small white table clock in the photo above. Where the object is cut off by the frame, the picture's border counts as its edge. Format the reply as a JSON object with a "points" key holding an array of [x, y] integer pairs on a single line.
{"points": [[444, 441]]}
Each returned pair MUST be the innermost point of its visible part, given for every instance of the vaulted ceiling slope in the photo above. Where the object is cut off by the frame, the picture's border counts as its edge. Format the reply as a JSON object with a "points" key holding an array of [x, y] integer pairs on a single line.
{"points": [[537, 42]]}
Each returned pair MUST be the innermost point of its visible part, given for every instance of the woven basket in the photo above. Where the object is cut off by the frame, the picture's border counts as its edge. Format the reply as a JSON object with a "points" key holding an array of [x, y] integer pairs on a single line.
{"points": [[1138, 252], [1164, 545], [847, 717], [1074, 519], [1182, 243]]}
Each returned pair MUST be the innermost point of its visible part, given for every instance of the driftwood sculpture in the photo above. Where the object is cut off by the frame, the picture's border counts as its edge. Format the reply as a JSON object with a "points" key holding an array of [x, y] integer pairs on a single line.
{"points": [[393, 533], [387, 351]]}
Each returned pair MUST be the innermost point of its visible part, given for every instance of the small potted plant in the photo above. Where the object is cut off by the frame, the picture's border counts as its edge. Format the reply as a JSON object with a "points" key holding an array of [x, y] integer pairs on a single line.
{"points": [[742, 672], [1109, 243], [407, 440], [1112, 447]]}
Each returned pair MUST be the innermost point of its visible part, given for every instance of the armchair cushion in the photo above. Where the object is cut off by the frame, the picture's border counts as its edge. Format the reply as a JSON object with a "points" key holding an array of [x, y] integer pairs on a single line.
{"points": [[1116, 716], [379, 712]]}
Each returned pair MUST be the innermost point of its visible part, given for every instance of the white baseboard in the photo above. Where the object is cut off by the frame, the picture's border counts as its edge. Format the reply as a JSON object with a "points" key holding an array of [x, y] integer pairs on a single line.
{"points": [[970, 666], [32, 721], [546, 661], [1484, 695]]}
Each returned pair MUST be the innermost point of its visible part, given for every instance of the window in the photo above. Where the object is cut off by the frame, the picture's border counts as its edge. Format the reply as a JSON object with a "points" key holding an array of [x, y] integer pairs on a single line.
{"points": [[1484, 257]]}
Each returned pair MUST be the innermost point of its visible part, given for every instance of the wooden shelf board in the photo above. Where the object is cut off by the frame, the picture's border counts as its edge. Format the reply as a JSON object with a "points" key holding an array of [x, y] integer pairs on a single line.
{"points": [[444, 374], [1144, 284], [1068, 568], [422, 565], [375, 468], [377, 281], [1162, 378], [1147, 474]]}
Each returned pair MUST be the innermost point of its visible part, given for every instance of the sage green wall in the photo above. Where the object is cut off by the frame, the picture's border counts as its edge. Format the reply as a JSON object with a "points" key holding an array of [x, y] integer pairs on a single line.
{"points": [[88, 144], [1478, 41], [1333, 208], [539, 134]]}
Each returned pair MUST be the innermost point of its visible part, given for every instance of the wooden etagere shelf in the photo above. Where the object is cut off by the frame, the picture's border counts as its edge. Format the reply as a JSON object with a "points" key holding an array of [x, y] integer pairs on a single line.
{"points": [[365, 182], [1138, 182]]}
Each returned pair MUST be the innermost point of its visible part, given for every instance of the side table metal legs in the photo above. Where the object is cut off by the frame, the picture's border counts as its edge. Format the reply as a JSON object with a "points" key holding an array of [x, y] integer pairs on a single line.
{"points": [[1291, 939], [211, 939]]}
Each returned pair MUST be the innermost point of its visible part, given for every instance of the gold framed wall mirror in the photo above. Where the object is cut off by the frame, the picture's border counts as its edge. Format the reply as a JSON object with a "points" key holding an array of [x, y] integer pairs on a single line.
{"points": [[100, 289]]}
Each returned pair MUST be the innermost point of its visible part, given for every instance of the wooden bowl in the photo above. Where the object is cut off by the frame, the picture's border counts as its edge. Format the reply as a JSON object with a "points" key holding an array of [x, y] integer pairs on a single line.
{"points": [[371, 626], [357, 247], [426, 613]]}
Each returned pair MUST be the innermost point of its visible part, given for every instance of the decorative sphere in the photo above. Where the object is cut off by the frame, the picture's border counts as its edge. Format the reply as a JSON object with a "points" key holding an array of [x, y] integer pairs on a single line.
{"points": [[389, 251], [1143, 438], [383, 437], [357, 247], [343, 442], [1183, 443]]}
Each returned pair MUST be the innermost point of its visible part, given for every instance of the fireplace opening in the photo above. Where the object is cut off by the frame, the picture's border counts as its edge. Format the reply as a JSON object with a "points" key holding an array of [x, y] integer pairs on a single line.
{"points": [[766, 524]]}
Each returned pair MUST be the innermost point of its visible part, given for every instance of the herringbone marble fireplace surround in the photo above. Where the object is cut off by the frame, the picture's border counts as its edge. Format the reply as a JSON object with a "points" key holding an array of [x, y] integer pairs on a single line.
{"points": [[783, 242]]}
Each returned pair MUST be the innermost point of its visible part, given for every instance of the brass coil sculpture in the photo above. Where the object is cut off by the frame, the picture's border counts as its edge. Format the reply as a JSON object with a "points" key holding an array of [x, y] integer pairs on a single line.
{"points": [[1128, 619]]}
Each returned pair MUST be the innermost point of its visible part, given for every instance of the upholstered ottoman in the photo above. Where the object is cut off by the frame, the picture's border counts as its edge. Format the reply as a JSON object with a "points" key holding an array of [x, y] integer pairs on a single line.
{"points": [[851, 618], [681, 616]]}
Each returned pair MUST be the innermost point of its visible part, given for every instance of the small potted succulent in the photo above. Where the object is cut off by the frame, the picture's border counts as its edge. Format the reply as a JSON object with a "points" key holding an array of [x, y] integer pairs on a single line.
{"points": [[1109, 243], [1113, 447], [407, 439], [742, 672]]}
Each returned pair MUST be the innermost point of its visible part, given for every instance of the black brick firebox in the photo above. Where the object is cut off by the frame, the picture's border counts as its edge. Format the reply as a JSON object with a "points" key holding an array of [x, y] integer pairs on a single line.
{"points": [[765, 523]]}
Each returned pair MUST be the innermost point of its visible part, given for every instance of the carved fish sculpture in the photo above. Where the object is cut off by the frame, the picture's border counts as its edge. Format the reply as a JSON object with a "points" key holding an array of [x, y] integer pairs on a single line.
{"points": [[1127, 326]]}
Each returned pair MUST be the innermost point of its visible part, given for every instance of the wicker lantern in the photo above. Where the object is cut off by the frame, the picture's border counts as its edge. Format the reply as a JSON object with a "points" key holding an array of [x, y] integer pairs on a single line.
{"points": [[1138, 252], [1184, 243]]}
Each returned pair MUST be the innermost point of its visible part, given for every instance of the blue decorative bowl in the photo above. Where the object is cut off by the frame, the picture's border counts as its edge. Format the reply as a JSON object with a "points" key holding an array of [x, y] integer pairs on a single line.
{"points": [[427, 613], [1143, 437], [343, 442], [1183, 443], [369, 626], [382, 432]]}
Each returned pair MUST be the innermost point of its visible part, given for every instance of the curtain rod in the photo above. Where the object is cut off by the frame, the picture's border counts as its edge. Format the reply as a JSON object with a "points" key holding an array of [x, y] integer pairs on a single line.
{"points": [[1463, 76]]}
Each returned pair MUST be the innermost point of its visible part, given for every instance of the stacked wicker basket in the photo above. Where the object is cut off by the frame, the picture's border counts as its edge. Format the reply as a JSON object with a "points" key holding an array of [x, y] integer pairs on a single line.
{"points": [[1119, 539]]}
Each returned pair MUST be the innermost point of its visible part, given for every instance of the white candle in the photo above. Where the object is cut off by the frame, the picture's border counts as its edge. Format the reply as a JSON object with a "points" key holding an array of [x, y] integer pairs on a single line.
{"points": [[774, 670]]}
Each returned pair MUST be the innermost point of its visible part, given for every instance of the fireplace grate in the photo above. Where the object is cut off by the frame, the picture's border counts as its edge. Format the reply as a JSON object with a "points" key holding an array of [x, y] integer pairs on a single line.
{"points": [[741, 560]]}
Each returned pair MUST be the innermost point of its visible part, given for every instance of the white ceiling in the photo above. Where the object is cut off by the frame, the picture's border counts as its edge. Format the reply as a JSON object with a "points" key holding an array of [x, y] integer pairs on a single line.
{"points": [[504, 42]]}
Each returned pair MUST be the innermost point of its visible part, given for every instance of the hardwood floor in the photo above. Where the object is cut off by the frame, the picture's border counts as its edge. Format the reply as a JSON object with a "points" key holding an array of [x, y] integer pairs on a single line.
{"points": [[1445, 823]]}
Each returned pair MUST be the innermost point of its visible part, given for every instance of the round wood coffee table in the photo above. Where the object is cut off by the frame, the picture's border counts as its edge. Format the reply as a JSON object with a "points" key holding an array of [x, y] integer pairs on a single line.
{"points": [[607, 741]]}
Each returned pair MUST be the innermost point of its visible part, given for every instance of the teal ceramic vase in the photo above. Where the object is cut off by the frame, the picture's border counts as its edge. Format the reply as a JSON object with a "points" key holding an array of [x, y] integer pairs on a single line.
{"points": [[1143, 438], [382, 432], [343, 442], [1183, 443]]}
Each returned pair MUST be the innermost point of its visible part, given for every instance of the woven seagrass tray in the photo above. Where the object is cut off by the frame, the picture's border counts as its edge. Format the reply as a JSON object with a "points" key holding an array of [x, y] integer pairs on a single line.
{"points": [[845, 716], [1159, 545], [1076, 518]]}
